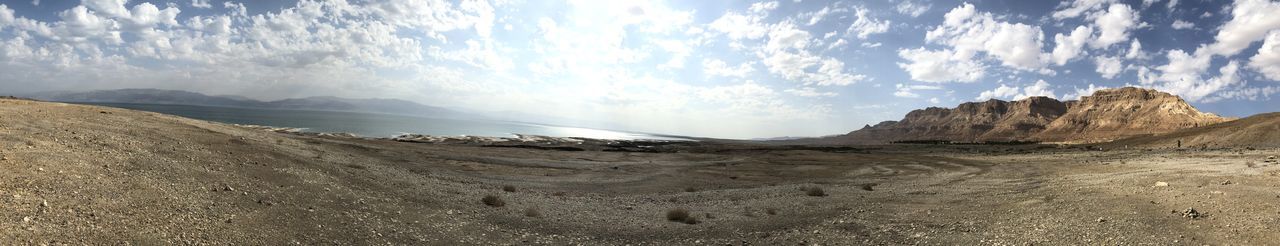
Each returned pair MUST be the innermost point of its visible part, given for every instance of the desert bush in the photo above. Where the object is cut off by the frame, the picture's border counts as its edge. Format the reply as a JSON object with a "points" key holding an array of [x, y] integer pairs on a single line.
{"points": [[681, 215], [493, 201], [532, 212], [771, 211], [690, 189], [815, 191], [509, 188]]}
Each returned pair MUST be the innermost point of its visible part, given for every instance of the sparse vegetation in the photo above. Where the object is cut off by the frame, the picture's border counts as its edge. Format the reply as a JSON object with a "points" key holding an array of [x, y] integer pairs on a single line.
{"points": [[509, 188], [815, 191], [493, 201], [532, 212], [771, 211], [690, 189], [1250, 164], [681, 215]]}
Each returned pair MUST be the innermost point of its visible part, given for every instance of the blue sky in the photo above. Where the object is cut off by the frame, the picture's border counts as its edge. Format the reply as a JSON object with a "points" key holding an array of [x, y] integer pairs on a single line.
{"points": [[734, 69]]}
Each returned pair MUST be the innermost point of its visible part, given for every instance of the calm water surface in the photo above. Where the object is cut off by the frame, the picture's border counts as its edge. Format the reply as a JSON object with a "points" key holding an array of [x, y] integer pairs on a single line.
{"points": [[376, 125]]}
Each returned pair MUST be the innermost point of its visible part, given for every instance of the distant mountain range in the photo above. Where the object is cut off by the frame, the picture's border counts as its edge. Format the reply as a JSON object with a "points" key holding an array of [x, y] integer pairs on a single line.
{"points": [[324, 103], [1106, 115]]}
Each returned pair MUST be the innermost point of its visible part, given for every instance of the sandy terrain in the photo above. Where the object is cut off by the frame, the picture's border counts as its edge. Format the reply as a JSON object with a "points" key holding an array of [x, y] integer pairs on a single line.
{"points": [[80, 174]]}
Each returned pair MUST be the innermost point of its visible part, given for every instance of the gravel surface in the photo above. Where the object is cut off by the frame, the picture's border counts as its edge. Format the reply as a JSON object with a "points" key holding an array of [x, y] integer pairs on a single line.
{"points": [[79, 174]]}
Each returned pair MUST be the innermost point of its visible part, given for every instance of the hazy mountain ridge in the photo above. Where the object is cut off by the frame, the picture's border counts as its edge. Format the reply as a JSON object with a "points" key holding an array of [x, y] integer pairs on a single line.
{"points": [[325, 103], [1106, 115]]}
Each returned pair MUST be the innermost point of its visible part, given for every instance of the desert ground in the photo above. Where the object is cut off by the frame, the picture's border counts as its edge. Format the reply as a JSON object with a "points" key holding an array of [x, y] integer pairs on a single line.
{"points": [[76, 174]]}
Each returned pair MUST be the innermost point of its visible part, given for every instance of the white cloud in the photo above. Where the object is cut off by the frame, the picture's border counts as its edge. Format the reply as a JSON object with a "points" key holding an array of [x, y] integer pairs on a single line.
{"points": [[1114, 25], [908, 91], [203, 4], [941, 65], [934, 100], [1069, 46], [35, 2], [865, 25], [763, 7], [810, 92], [717, 67], [786, 54], [1003, 91], [839, 43], [1250, 21], [1072, 9], [912, 8], [1108, 66], [1039, 88], [1267, 61], [111, 8], [1135, 51], [1016, 45], [816, 17], [6, 16], [1082, 92], [1179, 25], [739, 26]]}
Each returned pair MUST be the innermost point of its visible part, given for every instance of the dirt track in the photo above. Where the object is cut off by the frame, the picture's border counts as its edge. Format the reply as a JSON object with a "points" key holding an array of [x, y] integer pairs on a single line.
{"points": [[80, 174]]}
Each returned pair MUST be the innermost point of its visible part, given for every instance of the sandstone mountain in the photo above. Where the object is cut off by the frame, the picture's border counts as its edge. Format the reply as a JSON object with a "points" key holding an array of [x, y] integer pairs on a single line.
{"points": [[1124, 112], [1106, 115]]}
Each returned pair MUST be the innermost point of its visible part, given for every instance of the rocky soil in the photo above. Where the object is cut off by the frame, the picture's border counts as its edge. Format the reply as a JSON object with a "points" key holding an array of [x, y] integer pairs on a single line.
{"points": [[92, 175]]}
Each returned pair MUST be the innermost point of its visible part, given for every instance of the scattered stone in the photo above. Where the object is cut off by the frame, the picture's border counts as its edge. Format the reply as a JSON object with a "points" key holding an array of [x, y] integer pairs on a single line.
{"points": [[1191, 213], [1100, 220], [1161, 184], [1226, 182], [228, 188], [1271, 157], [44, 203]]}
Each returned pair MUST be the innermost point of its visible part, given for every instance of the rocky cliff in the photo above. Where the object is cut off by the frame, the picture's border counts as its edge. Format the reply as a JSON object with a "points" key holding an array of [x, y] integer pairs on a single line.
{"points": [[1106, 115], [1124, 112]]}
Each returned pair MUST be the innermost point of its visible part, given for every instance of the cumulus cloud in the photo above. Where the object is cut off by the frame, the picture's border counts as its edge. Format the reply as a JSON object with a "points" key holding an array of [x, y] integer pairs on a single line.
{"points": [[1016, 45], [941, 65], [912, 8], [203, 4], [1179, 25], [1081, 92], [717, 67], [1135, 51], [1251, 20], [1039, 88], [1114, 25], [739, 26], [1267, 61], [1108, 66], [1069, 46], [865, 25], [1072, 9]]}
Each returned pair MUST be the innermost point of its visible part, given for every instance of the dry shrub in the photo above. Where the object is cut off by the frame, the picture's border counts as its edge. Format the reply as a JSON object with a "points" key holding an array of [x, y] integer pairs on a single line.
{"points": [[493, 201], [509, 188], [815, 191], [532, 212], [681, 215]]}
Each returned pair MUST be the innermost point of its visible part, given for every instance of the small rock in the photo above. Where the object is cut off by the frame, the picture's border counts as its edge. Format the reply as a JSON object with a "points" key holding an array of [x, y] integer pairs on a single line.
{"points": [[44, 203], [228, 188], [4, 158], [1162, 184], [1191, 213], [1100, 220], [1226, 182], [1271, 157], [26, 219]]}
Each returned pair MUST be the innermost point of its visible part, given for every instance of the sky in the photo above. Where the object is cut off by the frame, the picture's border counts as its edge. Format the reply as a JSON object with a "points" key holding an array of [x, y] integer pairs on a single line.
{"points": [[729, 69]]}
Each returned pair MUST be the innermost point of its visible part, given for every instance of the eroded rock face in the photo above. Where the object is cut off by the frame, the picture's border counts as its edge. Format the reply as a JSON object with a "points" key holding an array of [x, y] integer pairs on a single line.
{"points": [[1124, 112], [1106, 115]]}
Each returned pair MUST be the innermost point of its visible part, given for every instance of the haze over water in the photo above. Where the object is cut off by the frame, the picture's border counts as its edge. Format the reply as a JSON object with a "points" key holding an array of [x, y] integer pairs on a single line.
{"points": [[377, 125]]}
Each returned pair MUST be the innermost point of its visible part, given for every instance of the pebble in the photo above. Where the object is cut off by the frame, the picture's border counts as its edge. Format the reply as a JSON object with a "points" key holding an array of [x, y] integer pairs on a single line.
{"points": [[1162, 184]]}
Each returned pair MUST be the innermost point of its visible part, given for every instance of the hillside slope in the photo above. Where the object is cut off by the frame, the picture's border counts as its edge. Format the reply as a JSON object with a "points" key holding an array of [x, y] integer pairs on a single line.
{"points": [[1260, 131]]}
